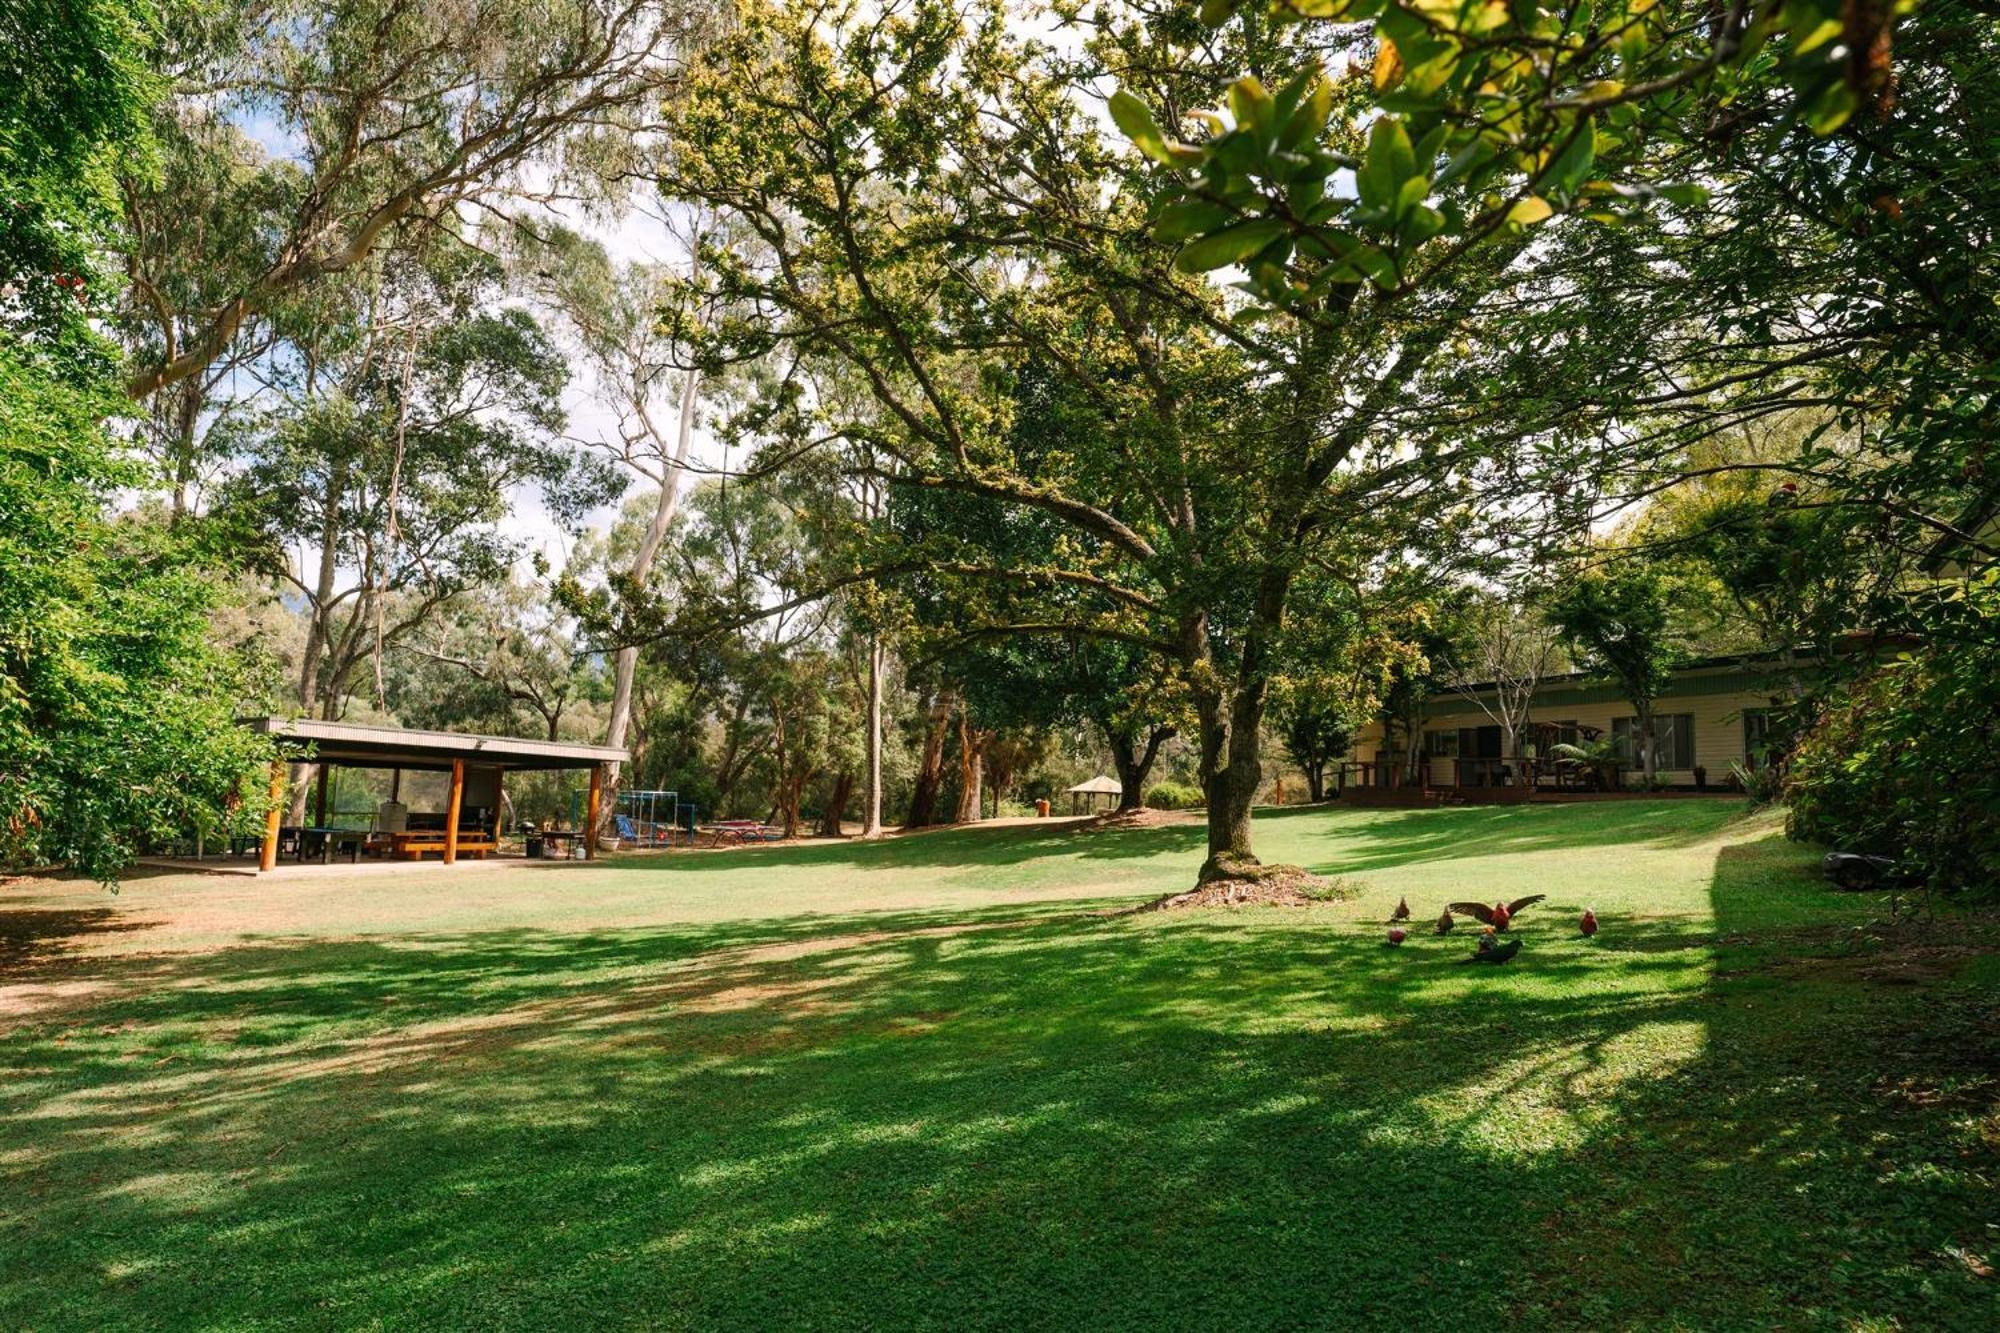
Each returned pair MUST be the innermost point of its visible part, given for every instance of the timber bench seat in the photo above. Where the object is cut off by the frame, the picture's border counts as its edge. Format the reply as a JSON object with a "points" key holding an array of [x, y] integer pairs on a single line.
{"points": [[414, 846]]}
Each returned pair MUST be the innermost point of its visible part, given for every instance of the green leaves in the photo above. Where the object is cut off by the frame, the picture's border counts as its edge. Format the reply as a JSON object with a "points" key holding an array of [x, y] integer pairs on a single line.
{"points": [[1572, 164], [1234, 244], [1391, 161], [1135, 120], [1190, 217]]}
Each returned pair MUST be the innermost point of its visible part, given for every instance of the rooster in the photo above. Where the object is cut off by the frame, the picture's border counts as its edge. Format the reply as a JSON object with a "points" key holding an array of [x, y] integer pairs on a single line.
{"points": [[1500, 916], [1589, 923], [1446, 922], [1402, 912], [1397, 935]]}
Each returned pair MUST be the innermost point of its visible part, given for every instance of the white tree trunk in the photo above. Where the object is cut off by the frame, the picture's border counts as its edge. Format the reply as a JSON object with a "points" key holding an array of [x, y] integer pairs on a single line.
{"points": [[626, 664], [871, 801]]}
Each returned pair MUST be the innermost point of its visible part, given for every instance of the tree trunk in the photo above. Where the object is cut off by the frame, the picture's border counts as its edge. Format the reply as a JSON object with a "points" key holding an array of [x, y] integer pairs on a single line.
{"points": [[1133, 762], [871, 815], [971, 769], [836, 806], [1316, 780], [1231, 773], [318, 633], [1232, 724], [930, 773], [1649, 762], [626, 665], [791, 795], [187, 414]]}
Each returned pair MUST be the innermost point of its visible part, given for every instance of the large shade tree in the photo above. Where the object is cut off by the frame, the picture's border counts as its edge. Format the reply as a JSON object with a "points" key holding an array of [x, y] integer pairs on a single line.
{"points": [[934, 208]]}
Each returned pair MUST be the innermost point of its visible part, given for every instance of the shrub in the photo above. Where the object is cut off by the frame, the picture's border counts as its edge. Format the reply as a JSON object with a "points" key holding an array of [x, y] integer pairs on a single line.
{"points": [[1763, 784], [1173, 796], [1900, 762]]}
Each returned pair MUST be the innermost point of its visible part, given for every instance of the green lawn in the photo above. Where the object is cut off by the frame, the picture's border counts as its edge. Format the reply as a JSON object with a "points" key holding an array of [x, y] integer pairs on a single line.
{"points": [[935, 1082]]}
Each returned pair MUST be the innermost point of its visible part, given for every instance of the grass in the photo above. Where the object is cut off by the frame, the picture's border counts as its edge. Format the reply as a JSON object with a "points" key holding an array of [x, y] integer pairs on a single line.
{"points": [[928, 1083]]}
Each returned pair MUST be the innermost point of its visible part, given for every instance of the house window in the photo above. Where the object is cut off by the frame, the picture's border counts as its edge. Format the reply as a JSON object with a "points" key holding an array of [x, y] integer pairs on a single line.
{"points": [[1756, 736], [1673, 740], [1441, 744]]}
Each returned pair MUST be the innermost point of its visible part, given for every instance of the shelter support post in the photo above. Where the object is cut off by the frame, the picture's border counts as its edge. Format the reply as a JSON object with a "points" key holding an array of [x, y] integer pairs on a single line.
{"points": [[590, 812], [319, 796], [452, 807], [267, 858]]}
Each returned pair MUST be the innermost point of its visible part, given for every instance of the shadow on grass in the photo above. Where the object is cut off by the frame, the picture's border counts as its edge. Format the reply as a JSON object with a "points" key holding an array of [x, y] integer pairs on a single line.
{"points": [[1001, 1119], [1352, 840]]}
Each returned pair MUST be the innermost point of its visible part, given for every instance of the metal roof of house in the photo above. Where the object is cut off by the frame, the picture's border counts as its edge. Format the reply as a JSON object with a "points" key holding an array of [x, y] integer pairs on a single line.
{"points": [[363, 744]]}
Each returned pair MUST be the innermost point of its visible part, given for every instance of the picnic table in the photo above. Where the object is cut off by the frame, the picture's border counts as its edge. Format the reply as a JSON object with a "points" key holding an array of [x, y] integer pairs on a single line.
{"points": [[566, 838], [414, 844], [324, 842], [736, 832]]}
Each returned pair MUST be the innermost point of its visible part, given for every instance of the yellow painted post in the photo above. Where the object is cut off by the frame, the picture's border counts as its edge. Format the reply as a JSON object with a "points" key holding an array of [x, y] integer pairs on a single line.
{"points": [[451, 811], [273, 818], [590, 812]]}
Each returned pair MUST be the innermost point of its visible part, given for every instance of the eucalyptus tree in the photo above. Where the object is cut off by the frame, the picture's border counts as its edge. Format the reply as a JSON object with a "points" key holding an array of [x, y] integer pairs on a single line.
{"points": [[378, 475], [934, 208], [506, 661], [771, 666], [390, 119], [196, 229], [613, 309]]}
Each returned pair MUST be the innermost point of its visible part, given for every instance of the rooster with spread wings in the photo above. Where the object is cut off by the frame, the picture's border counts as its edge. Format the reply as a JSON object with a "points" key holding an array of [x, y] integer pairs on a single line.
{"points": [[1500, 916]]}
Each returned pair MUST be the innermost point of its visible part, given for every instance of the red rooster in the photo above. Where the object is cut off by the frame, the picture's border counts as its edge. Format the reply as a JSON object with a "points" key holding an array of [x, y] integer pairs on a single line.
{"points": [[1589, 923], [1500, 916]]}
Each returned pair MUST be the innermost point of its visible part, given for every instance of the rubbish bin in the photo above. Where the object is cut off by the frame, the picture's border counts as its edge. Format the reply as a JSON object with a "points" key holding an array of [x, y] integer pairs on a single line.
{"points": [[1041, 809], [535, 846]]}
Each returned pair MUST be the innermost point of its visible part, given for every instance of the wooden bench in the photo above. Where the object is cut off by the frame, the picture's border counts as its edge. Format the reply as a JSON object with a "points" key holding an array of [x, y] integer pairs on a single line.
{"points": [[414, 846]]}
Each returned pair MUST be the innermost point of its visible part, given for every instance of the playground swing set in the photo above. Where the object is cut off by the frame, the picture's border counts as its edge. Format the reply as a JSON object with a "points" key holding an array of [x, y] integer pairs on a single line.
{"points": [[647, 819]]}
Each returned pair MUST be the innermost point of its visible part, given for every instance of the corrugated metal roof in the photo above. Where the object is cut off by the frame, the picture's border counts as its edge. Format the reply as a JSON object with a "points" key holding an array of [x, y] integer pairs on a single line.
{"points": [[363, 743]]}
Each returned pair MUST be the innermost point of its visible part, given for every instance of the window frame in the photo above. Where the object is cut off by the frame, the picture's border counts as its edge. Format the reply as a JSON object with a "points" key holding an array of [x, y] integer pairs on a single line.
{"points": [[1666, 729]]}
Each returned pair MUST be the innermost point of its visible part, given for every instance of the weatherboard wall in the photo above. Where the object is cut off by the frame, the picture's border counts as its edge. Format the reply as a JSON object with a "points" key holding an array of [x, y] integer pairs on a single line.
{"points": [[1716, 701]]}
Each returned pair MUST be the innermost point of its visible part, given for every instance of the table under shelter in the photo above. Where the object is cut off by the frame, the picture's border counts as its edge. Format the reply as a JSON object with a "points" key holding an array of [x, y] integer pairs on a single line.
{"points": [[477, 767]]}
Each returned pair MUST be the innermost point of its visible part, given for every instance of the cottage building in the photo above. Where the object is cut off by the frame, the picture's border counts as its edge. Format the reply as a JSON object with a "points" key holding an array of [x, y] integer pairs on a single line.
{"points": [[1715, 713]]}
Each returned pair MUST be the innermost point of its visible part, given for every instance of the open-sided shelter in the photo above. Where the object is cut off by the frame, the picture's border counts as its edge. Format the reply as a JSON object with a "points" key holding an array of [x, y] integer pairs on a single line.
{"points": [[477, 766], [1084, 794]]}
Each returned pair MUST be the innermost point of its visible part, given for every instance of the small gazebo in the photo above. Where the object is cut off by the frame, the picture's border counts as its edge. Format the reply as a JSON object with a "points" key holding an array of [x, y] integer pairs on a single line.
{"points": [[1083, 796]]}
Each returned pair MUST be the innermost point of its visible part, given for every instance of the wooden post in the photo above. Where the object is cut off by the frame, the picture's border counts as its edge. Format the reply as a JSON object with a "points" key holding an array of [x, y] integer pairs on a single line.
{"points": [[590, 812], [451, 811], [273, 818], [396, 784], [319, 798]]}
